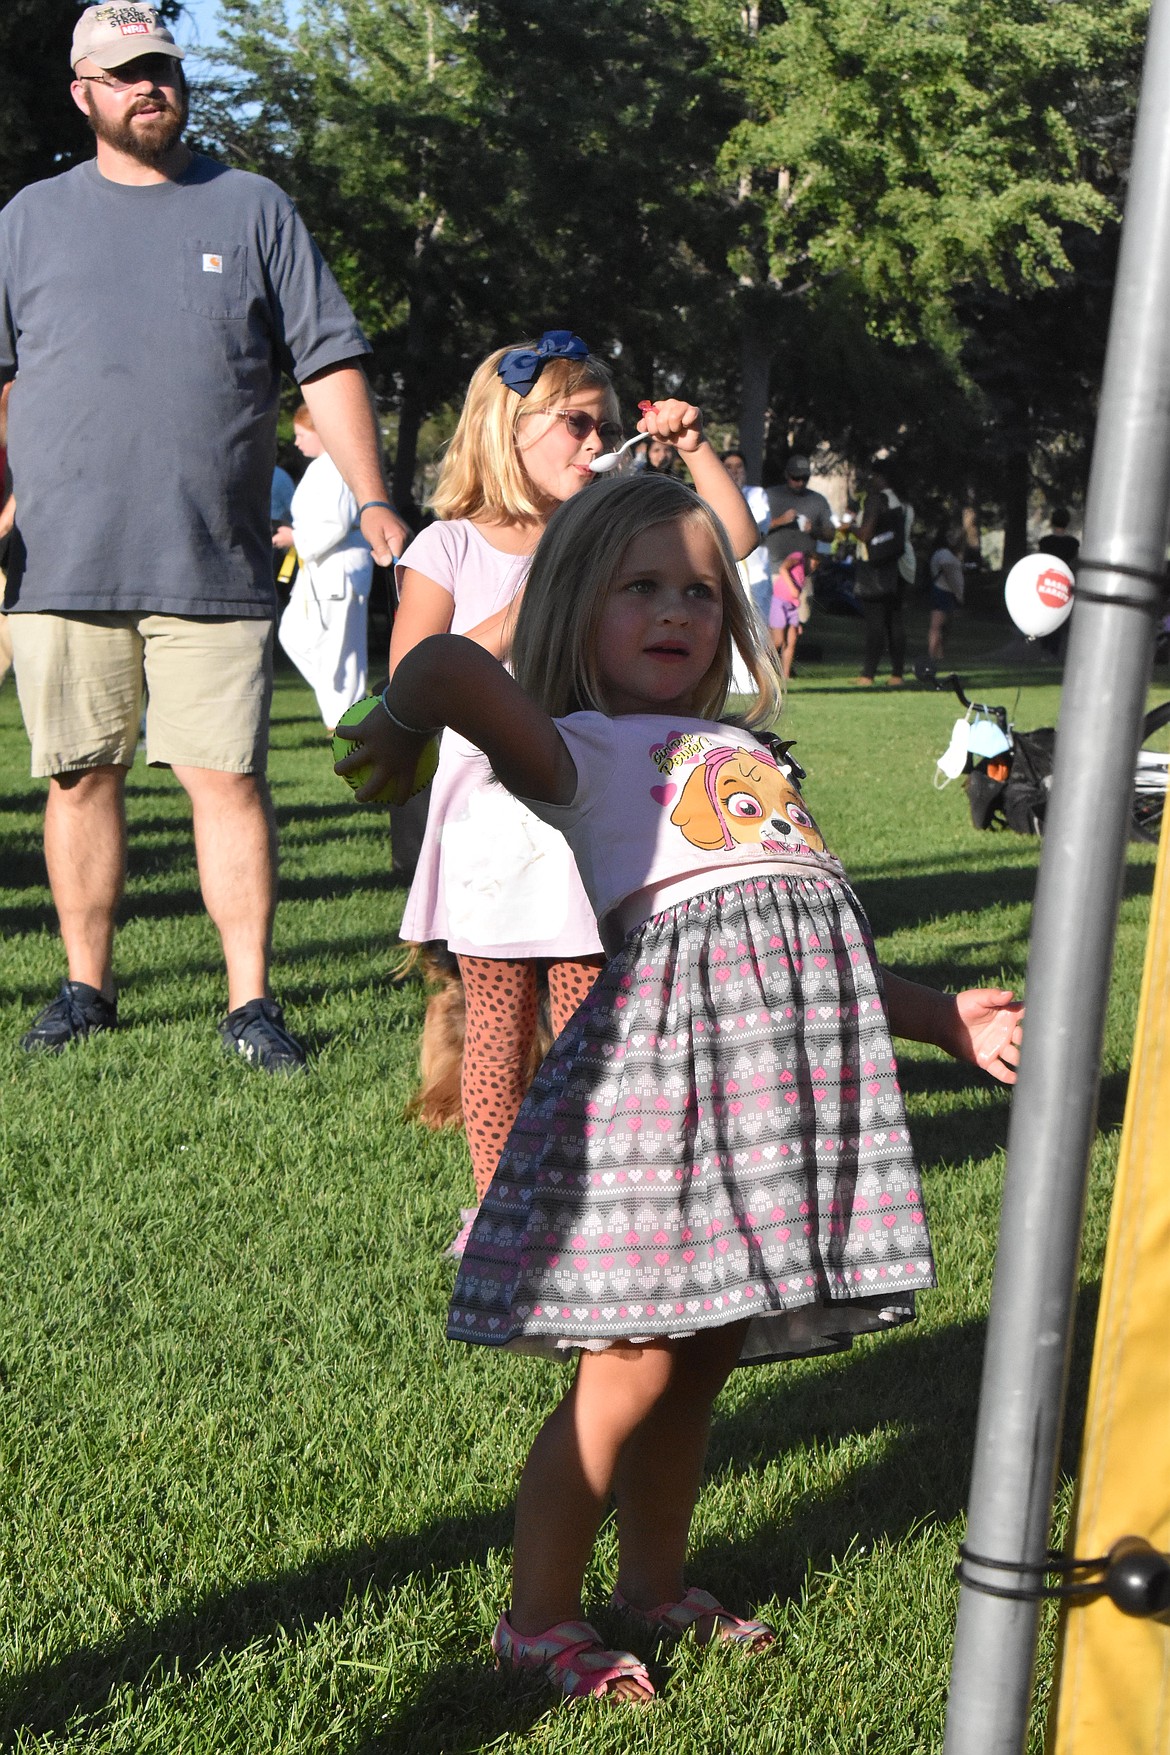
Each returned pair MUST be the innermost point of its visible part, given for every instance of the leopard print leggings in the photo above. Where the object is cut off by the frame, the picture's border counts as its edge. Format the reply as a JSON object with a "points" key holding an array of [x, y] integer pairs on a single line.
{"points": [[500, 999]]}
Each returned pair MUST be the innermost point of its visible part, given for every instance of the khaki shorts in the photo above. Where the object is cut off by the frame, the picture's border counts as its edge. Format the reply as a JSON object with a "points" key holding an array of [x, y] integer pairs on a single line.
{"points": [[81, 678]]}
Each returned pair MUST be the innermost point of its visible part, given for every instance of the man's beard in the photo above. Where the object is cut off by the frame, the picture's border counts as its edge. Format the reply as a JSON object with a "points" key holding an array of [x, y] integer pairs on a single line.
{"points": [[151, 142]]}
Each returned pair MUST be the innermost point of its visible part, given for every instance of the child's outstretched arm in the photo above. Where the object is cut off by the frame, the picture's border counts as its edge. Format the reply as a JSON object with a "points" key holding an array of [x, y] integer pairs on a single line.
{"points": [[449, 680], [681, 425], [983, 1025]]}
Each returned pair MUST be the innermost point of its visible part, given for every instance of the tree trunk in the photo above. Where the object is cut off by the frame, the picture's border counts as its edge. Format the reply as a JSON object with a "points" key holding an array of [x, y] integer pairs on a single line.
{"points": [[1017, 483], [410, 419], [755, 359], [414, 409]]}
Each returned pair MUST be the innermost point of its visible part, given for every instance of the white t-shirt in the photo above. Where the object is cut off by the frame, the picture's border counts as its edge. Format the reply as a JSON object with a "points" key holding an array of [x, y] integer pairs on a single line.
{"points": [[907, 560], [946, 571], [755, 568], [665, 807]]}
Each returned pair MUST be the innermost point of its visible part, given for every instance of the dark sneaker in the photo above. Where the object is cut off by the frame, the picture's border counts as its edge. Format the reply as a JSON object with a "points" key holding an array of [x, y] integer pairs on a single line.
{"points": [[257, 1031], [78, 1011]]}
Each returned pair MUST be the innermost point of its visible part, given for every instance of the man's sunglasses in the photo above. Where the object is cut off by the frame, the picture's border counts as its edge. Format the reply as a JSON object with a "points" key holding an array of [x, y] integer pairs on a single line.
{"points": [[158, 69], [580, 425]]}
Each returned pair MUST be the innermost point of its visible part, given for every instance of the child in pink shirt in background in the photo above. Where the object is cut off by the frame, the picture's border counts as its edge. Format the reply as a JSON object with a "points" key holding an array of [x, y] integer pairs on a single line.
{"points": [[785, 620]]}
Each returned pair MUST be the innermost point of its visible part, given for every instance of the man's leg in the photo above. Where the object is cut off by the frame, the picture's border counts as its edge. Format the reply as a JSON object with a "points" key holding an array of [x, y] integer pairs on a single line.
{"points": [[235, 847], [79, 678], [85, 852], [210, 683]]}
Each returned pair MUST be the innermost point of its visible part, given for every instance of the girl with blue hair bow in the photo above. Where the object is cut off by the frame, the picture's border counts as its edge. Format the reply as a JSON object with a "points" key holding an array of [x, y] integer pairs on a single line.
{"points": [[493, 882]]}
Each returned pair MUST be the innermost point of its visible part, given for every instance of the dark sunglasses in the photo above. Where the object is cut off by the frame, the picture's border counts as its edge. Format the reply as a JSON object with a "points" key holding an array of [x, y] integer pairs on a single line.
{"points": [[580, 425]]}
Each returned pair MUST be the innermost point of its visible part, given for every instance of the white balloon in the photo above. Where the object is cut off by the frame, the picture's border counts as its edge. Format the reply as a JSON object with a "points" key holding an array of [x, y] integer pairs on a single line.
{"points": [[1039, 594]]}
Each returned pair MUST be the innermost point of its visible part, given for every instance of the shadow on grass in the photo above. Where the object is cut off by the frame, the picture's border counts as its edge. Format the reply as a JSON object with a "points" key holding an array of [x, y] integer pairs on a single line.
{"points": [[43, 1700], [966, 1130], [907, 900], [458, 1710], [185, 903], [921, 1389]]}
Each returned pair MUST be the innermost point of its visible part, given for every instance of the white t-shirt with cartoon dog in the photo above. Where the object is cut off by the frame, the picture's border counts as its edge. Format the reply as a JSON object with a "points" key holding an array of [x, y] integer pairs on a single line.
{"points": [[664, 806]]}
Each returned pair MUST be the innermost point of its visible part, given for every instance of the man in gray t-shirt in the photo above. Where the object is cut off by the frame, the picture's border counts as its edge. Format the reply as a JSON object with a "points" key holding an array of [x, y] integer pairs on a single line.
{"points": [[800, 517], [149, 302]]}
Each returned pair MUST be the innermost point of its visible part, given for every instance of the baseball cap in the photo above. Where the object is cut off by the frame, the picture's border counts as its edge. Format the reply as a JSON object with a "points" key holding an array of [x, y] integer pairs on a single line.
{"points": [[798, 465], [109, 36]]}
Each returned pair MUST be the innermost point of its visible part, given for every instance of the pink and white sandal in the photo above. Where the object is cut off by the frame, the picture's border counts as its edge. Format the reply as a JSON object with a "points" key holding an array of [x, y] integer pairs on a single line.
{"points": [[699, 1611], [574, 1659]]}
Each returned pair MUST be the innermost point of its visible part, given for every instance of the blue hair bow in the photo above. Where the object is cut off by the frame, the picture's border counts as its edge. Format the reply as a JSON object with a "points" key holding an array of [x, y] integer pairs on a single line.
{"points": [[522, 366]]}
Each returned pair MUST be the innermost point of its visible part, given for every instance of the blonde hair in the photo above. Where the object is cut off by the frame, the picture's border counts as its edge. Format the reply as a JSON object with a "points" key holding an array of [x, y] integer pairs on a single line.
{"points": [[482, 474], [554, 644]]}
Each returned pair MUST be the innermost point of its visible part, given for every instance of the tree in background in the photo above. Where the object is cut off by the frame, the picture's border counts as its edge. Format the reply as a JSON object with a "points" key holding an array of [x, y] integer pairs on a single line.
{"points": [[899, 159], [461, 172], [860, 223]]}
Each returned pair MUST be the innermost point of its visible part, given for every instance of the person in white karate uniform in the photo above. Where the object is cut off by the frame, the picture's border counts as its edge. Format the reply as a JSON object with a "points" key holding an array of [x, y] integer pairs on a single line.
{"points": [[323, 629]]}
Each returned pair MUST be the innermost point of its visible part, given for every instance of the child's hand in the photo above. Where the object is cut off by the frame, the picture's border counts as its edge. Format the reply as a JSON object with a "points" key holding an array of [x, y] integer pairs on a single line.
{"points": [[390, 753], [678, 423], [988, 1030]]}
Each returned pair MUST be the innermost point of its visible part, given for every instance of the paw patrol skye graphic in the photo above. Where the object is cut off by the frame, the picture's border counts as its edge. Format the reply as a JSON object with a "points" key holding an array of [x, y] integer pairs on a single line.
{"points": [[740, 798]]}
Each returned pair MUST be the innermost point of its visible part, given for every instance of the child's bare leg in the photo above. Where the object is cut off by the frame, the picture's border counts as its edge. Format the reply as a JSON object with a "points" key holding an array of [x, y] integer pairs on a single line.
{"points": [[660, 1469], [788, 651], [934, 636], [569, 1476]]}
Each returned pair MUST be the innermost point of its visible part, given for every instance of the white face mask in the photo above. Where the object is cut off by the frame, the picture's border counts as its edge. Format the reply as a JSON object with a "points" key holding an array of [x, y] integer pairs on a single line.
{"points": [[953, 760]]}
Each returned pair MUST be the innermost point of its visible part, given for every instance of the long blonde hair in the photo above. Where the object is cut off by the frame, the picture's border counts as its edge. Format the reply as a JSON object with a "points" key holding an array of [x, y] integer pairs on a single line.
{"points": [[482, 475], [554, 643]]}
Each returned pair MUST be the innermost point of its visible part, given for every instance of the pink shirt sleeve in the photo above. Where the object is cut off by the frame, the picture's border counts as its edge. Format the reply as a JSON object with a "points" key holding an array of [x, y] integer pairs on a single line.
{"points": [[432, 553]]}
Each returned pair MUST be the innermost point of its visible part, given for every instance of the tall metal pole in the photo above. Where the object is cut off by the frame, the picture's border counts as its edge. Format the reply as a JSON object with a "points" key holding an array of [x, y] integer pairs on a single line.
{"points": [[1078, 894]]}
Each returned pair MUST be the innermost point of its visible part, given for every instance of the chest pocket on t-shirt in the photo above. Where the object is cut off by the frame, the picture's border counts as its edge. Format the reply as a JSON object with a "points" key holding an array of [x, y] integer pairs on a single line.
{"points": [[213, 279]]}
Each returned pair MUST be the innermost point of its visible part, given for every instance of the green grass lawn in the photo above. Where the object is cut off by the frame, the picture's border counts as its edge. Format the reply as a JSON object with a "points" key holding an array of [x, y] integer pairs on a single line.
{"points": [[254, 1501]]}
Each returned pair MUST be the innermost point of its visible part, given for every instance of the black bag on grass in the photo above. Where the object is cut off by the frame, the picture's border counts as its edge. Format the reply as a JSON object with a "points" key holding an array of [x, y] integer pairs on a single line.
{"points": [[1025, 795]]}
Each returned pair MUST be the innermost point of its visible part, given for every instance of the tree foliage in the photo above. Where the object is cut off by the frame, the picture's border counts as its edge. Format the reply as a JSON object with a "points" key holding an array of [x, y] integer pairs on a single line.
{"points": [[862, 212]]}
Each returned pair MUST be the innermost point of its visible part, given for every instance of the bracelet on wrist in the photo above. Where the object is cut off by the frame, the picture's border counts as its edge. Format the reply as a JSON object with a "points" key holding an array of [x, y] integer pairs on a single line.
{"points": [[385, 505], [413, 730]]}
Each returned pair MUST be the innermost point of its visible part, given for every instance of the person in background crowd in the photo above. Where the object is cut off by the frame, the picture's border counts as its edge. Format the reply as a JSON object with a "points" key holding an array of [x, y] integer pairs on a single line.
{"points": [[7, 520], [797, 512], [154, 298], [280, 497], [946, 587], [791, 589], [655, 456], [908, 560], [881, 582], [755, 571], [324, 627], [843, 548], [1057, 540]]}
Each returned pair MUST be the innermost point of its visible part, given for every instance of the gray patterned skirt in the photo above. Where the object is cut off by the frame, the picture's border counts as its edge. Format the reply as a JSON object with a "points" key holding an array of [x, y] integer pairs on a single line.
{"points": [[717, 1134]]}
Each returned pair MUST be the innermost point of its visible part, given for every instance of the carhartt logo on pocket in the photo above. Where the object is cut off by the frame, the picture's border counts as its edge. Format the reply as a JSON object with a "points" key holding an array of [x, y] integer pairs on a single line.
{"points": [[213, 264]]}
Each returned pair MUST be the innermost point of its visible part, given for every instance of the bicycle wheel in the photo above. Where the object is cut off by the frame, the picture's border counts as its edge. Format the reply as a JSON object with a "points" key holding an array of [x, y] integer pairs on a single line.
{"points": [[1149, 789]]}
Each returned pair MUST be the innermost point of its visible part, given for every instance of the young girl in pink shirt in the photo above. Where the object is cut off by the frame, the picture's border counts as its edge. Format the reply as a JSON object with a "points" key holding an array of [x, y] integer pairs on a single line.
{"points": [[493, 882], [712, 1167]]}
